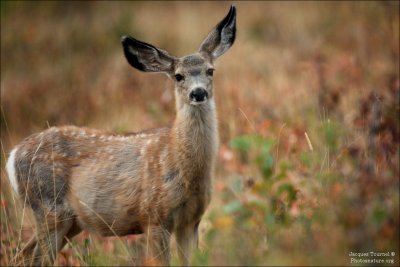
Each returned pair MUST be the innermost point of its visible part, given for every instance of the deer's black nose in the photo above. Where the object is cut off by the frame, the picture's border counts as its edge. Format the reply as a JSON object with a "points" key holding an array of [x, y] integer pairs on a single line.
{"points": [[198, 95]]}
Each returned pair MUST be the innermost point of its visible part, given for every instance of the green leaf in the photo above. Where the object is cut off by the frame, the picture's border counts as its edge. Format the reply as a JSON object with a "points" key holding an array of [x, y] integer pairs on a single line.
{"points": [[270, 219], [232, 207], [266, 163], [241, 143], [266, 145], [290, 190], [237, 184], [379, 215]]}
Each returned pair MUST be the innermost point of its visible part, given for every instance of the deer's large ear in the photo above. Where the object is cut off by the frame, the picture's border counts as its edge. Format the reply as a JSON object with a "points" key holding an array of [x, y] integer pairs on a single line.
{"points": [[145, 57], [221, 38]]}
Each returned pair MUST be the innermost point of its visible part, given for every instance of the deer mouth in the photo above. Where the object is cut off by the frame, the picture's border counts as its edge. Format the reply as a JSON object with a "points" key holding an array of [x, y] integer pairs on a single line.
{"points": [[197, 103]]}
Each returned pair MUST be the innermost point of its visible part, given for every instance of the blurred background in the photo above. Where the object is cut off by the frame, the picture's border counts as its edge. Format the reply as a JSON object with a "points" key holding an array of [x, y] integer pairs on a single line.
{"points": [[308, 104]]}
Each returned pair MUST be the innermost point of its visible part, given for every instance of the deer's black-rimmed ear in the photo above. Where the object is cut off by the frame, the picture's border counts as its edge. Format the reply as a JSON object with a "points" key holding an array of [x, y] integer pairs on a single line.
{"points": [[145, 57], [221, 38]]}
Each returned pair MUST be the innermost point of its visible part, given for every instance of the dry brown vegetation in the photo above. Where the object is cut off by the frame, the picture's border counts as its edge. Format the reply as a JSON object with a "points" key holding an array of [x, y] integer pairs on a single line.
{"points": [[308, 104]]}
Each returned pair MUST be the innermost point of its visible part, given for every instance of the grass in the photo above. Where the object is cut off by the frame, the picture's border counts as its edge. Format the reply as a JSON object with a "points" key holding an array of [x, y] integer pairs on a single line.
{"points": [[308, 99]]}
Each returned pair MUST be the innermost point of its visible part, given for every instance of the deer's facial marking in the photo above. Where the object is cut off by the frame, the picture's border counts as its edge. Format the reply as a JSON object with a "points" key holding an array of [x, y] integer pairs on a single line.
{"points": [[194, 79]]}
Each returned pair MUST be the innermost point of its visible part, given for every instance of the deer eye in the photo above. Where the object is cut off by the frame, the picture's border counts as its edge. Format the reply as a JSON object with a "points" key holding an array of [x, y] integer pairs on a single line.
{"points": [[210, 72], [179, 77]]}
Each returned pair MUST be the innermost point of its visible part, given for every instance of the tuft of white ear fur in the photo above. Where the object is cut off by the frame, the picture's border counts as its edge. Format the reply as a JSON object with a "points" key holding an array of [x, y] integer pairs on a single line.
{"points": [[11, 170]]}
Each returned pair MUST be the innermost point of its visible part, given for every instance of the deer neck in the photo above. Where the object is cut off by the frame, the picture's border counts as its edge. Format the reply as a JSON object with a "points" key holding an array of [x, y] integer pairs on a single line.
{"points": [[196, 137]]}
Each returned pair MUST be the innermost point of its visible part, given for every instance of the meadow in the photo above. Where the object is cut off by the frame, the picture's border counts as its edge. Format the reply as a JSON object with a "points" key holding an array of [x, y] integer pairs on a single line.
{"points": [[308, 104]]}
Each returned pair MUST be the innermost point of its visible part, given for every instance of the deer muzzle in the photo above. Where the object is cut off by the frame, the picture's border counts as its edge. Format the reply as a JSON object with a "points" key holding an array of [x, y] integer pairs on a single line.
{"points": [[198, 96]]}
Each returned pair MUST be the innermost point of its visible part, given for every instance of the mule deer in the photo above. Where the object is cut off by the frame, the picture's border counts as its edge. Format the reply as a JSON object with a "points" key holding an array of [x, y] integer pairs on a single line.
{"points": [[155, 182]]}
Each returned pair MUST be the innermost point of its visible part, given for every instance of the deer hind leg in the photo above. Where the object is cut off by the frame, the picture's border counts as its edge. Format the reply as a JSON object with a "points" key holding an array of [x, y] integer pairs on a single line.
{"points": [[23, 256], [32, 254], [50, 239]]}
